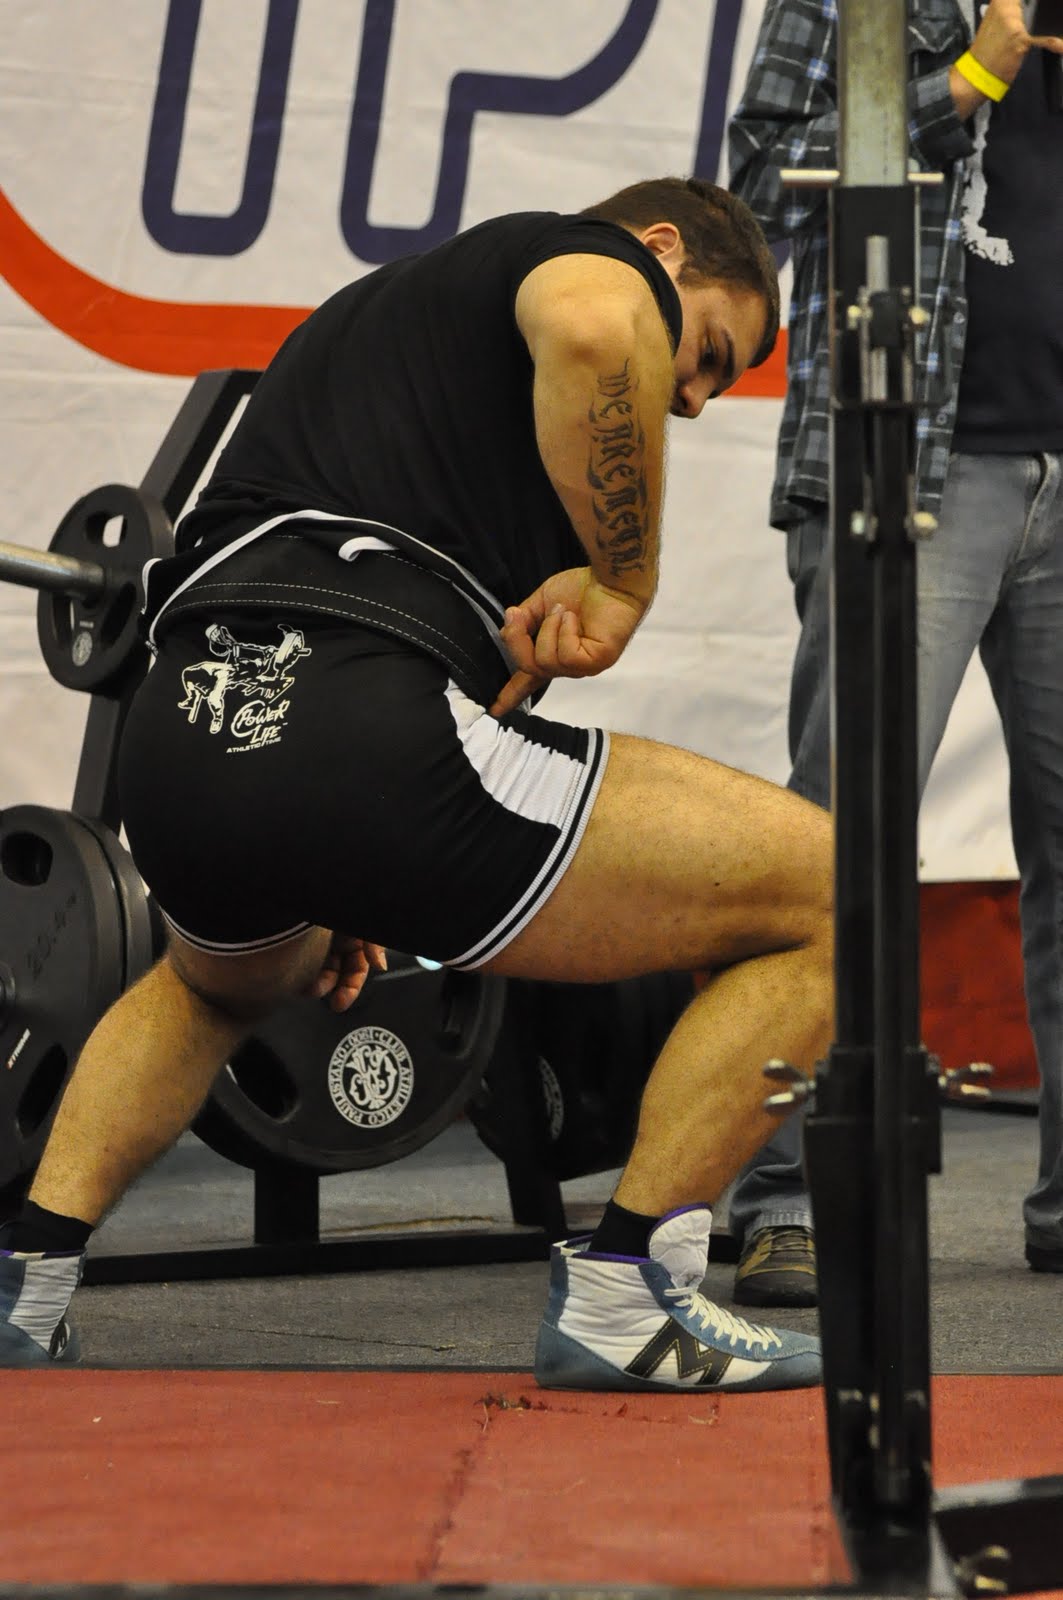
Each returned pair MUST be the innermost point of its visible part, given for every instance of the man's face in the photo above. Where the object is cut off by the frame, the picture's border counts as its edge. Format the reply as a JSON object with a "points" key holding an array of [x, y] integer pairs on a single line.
{"points": [[723, 324]]}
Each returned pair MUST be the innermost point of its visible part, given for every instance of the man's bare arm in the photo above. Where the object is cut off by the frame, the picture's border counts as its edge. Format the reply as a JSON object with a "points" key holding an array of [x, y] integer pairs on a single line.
{"points": [[604, 382]]}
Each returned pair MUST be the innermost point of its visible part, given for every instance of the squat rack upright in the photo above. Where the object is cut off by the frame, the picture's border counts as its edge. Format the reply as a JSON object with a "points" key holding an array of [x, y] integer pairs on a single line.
{"points": [[874, 1130]]}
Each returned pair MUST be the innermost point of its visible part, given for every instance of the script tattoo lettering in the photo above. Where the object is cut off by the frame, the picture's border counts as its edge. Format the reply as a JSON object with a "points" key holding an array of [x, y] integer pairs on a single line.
{"points": [[616, 472]]}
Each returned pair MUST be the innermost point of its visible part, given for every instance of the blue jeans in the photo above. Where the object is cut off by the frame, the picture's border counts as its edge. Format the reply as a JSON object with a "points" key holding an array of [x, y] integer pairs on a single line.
{"points": [[990, 579]]}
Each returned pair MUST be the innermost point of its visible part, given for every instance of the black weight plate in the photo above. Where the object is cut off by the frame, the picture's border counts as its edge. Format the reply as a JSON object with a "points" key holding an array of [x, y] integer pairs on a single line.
{"points": [[591, 1047], [61, 951], [336, 1092], [89, 642], [578, 1040], [565, 1037], [139, 930]]}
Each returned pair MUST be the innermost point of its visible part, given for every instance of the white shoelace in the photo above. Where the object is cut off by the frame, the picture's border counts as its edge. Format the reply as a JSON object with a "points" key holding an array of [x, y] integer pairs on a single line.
{"points": [[723, 1323]]}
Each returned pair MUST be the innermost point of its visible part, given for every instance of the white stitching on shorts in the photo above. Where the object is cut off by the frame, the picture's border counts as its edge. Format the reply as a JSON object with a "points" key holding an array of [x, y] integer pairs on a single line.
{"points": [[332, 611]]}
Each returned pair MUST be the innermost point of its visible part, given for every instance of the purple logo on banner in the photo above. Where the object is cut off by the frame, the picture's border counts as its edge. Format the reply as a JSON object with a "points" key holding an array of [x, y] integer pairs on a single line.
{"points": [[197, 233]]}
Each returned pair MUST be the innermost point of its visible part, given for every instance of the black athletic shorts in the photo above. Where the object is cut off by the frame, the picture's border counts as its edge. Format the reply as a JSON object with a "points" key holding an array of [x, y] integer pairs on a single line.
{"points": [[279, 773]]}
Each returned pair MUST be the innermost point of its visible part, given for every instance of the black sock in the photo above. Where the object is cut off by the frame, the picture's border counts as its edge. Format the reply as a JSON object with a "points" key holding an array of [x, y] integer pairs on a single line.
{"points": [[36, 1229], [622, 1232]]}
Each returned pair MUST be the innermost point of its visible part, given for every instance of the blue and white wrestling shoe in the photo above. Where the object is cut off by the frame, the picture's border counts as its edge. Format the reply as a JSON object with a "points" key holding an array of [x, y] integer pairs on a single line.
{"points": [[35, 1291], [619, 1322]]}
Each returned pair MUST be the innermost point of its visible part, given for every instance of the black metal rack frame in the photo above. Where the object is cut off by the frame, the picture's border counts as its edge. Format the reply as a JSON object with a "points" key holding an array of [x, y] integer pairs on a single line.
{"points": [[873, 1134]]}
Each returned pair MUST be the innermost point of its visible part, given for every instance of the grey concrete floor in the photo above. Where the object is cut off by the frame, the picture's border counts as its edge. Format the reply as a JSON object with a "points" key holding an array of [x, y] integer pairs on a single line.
{"points": [[989, 1312]]}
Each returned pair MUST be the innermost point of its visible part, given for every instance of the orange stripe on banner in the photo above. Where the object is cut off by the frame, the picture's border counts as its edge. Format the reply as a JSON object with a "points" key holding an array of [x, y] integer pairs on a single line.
{"points": [[179, 338], [768, 381], [165, 336]]}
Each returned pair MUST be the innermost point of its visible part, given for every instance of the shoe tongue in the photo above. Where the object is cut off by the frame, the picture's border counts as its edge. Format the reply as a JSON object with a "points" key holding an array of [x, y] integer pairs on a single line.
{"points": [[680, 1242]]}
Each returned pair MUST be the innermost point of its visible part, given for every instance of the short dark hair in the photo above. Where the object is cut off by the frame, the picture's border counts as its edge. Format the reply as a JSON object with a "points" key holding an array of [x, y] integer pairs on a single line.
{"points": [[723, 239]]}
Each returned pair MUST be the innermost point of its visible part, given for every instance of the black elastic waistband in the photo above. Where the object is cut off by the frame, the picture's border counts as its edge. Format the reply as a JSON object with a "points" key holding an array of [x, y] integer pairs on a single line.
{"points": [[381, 590]]}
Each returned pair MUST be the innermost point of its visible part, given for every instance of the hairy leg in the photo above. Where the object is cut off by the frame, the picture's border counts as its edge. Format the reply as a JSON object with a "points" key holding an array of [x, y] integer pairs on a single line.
{"points": [[687, 864], [148, 1065]]}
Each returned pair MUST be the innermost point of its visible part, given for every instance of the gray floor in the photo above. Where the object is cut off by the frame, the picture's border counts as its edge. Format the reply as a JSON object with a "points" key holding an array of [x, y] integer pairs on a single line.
{"points": [[989, 1312]]}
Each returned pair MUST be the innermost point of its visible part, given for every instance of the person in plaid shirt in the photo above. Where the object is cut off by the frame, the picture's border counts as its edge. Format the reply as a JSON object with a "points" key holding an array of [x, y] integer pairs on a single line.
{"points": [[985, 110]]}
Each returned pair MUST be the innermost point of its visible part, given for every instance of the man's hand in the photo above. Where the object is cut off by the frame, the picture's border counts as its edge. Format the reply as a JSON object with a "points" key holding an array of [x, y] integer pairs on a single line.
{"points": [[1001, 44], [571, 627], [347, 965]]}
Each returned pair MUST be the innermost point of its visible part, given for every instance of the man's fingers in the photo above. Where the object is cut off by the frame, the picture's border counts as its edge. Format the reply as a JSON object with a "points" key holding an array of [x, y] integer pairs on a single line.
{"points": [[546, 640], [517, 689], [518, 638], [576, 636], [345, 969], [563, 650], [323, 984], [347, 990], [573, 654], [531, 611]]}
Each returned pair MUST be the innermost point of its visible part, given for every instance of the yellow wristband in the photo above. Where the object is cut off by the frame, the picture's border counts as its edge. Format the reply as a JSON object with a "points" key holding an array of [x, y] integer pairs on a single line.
{"points": [[981, 78]]}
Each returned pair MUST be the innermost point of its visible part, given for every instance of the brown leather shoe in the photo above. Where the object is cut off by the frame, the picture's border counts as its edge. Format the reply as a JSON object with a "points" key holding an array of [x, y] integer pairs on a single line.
{"points": [[777, 1267], [1043, 1259]]}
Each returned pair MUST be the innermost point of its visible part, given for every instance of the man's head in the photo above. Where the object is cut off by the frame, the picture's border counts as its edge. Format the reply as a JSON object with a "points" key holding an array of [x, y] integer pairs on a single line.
{"points": [[712, 248]]}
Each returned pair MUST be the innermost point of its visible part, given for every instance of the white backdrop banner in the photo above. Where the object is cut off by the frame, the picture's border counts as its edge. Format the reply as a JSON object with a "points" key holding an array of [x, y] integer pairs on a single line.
{"points": [[184, 179]]}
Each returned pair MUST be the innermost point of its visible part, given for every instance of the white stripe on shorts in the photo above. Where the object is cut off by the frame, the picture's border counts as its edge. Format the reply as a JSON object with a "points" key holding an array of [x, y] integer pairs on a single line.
{"points": [[246, 947], [525, 777], [536, 782]]}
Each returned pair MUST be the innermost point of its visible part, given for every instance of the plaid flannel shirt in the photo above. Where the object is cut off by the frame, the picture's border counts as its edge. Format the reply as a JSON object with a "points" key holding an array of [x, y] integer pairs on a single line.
{"points": [[788, 117]]}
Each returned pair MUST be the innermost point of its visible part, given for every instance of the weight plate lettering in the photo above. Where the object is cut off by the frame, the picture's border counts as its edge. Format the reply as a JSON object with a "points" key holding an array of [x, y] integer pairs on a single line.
{"points": [[371, 1077]]}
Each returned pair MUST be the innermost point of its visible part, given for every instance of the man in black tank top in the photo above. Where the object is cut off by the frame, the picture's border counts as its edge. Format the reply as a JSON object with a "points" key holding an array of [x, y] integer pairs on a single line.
{"points": [[445, 492]]}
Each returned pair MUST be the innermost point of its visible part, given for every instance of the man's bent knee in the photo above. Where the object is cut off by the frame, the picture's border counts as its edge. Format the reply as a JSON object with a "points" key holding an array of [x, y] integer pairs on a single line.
{"points": [[246, 988]]}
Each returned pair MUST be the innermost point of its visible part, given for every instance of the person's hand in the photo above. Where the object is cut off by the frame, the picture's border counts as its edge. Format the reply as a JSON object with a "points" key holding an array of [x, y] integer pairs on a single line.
{"points": [[1002, 43], [571, 627], [346, 967]]}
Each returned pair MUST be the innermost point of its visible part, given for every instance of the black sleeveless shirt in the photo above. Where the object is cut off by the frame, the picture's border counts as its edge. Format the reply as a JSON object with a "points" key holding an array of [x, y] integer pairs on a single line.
{"points": [[406, 399]]}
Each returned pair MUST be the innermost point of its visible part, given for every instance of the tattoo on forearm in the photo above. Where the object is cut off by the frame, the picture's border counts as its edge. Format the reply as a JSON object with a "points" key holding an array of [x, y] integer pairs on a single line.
{"points": [[616, 472]]}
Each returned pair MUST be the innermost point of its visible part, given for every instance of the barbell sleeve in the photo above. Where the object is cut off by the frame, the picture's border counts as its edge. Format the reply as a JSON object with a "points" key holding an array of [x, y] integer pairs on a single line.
{"points": [[40, 569]]}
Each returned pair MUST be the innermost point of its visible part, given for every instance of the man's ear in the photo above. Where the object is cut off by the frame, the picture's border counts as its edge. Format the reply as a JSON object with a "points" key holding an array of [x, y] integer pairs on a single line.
{"points": [[663, 239]]}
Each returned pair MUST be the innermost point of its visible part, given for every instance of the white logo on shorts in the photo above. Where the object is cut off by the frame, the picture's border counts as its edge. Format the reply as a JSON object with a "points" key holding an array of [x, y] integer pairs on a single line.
{"points": [[370, 1077], [258, 674]]}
